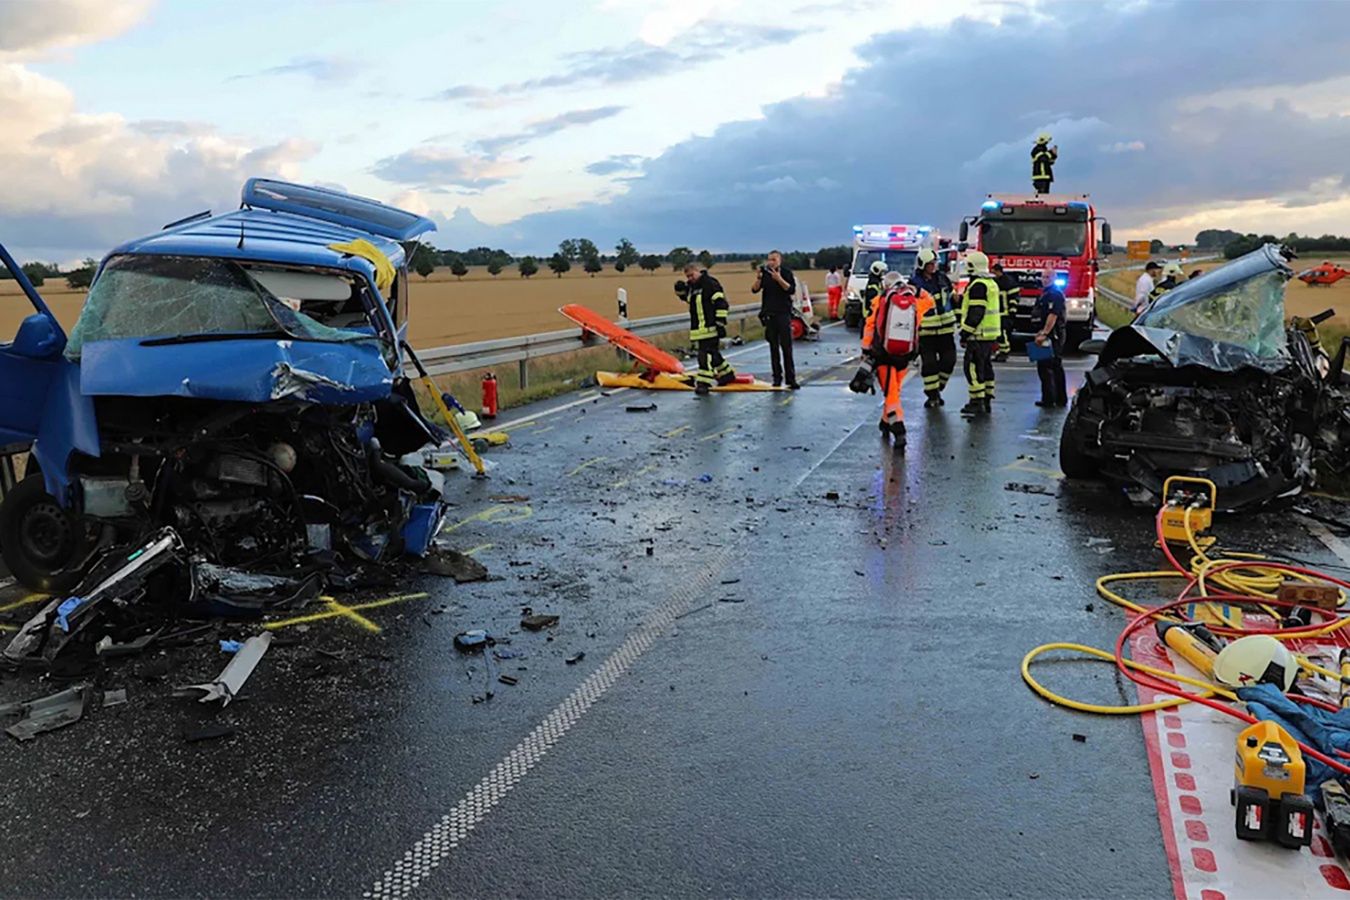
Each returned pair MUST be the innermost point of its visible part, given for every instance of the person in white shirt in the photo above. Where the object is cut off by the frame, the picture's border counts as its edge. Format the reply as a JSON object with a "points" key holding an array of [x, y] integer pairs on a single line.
{"points": [[834, 287], [1144, 286]]}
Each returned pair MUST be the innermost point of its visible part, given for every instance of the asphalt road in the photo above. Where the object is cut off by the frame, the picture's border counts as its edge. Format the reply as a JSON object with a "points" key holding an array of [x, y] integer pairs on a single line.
{"points": [[799, 679]]}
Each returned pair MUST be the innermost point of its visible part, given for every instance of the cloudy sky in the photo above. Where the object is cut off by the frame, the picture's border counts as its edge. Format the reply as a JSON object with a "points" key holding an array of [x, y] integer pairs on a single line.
{"points": [[728, 124]]}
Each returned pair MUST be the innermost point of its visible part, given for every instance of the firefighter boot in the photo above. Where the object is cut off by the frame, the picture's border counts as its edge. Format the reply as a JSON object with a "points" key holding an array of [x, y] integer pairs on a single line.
{"points": [[898, 432], [701, 390], [726, 378], [934, 400]]}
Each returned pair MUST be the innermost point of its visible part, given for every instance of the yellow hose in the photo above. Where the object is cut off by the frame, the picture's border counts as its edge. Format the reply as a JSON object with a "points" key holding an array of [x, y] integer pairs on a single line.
{"points": [[1255, 581]]}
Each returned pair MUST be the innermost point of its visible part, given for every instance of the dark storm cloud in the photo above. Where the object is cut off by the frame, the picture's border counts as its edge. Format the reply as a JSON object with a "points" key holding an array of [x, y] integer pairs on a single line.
{"points": [[904, 138]]}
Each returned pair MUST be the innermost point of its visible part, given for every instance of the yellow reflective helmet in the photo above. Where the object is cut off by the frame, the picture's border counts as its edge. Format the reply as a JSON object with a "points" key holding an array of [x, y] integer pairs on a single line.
{"points": [[1043, 138], [1172, 270], [878, 268], [977, 263], [927, 255], [1255, 659]]}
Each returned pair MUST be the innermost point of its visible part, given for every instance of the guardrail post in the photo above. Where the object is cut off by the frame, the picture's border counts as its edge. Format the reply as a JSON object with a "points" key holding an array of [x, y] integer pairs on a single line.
{"points": [[524, 374]]}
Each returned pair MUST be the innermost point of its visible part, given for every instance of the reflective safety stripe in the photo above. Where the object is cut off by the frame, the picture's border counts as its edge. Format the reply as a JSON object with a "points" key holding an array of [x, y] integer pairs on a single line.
{"points": [[991, 326], [1040, 164]]}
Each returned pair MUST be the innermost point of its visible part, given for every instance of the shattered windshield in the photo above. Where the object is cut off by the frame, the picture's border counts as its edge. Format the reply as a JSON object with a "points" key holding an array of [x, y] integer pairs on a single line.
{"points": [[1240, 304], [185, 297]]}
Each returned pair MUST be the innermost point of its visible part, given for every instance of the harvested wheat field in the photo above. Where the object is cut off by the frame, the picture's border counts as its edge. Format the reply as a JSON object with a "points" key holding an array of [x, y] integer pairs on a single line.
{"points": [[447, 310]]}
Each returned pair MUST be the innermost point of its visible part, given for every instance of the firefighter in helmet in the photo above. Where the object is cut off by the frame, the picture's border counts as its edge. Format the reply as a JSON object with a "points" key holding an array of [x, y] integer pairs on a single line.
{"points": [[1172, 275], [707, 326], [873, 289], [937, 329], [1043, 158], [981, 329], [890, 341], [1009, 298]]}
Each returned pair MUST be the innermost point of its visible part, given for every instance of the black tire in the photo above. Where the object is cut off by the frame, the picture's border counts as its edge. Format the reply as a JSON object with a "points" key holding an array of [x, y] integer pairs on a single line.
{"points": [[850, 320], [44, 546], [1075, 334], [1074, 461]]}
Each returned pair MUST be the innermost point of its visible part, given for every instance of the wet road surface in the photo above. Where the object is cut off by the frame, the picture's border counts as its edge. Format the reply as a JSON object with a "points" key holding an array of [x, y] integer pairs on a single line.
{"points": [[799, 678]]}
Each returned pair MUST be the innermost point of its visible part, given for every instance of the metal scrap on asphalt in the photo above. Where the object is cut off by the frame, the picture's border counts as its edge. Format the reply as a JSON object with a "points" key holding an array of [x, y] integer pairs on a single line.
{"points": [[231, 679]]}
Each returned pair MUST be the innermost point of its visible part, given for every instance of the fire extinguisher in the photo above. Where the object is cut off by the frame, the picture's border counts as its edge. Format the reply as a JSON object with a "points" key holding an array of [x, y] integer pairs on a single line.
{"points": [[490, 396]]}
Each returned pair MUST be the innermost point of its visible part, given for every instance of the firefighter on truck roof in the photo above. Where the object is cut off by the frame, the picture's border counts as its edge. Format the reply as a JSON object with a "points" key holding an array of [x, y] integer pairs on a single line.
{"points": [[890, 342]]}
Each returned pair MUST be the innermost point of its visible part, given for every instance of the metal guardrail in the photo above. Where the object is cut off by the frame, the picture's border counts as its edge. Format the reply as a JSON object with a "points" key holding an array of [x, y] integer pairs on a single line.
{"points": [[520, 350]]}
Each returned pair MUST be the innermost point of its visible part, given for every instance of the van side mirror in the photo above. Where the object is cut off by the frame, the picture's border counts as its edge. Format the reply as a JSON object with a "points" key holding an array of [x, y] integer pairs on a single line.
{"points": [[37, 338]]}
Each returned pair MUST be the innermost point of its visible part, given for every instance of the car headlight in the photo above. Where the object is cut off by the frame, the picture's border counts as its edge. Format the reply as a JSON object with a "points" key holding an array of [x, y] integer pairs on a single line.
{"points": [[854, 295]]}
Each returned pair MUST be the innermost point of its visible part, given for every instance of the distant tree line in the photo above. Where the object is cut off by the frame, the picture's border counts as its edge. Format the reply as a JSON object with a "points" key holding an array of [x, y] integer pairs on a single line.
{"points": [[38, 272], [1246, 243]]}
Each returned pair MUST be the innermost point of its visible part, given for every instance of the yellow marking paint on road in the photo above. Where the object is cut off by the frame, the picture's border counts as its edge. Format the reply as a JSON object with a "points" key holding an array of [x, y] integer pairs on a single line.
{"points": [[587, 464], [26, 601], [348, 612], [1026, 465], [676, 432], [652, 467], [501, 514], [718, 434], [541, 431], [479, 549]]}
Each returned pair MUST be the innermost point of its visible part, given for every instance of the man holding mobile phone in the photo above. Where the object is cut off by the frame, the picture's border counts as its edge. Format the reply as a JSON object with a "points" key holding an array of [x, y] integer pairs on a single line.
{"points": [[775, 313]]}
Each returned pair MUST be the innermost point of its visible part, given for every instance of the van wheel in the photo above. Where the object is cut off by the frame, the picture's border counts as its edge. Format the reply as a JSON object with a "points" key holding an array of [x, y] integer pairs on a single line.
{"points": [[1073, 460], [44, 545]]}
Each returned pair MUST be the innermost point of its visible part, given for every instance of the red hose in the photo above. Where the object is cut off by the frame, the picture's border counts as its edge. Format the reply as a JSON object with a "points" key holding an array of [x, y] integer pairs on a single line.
{"points": [[1163, 686]]}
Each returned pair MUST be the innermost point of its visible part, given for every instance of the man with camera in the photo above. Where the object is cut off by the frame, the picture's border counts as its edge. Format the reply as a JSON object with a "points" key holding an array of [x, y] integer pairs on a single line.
{"points": [[775, 313], [707, 326]]}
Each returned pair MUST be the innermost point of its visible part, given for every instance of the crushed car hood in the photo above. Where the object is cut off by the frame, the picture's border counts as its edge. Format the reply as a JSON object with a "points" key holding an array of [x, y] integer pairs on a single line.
{"points": [[1229, 319], [247, 370]]}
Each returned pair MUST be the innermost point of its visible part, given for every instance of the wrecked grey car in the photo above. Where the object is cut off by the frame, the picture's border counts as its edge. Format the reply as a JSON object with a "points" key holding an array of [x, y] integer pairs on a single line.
{"points": [[1212, 382]]}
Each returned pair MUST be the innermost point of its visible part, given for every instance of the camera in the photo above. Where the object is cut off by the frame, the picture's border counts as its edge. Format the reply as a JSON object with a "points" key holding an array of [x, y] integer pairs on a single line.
{"points": [[682, 289]]}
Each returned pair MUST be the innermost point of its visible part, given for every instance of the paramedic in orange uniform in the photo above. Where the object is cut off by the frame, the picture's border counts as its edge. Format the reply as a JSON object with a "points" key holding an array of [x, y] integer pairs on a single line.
{"points": [[889, 370]]}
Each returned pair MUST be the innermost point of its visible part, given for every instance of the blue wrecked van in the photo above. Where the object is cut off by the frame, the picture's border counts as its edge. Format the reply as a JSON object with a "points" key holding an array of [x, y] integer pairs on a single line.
{"points": [[236, 380]]}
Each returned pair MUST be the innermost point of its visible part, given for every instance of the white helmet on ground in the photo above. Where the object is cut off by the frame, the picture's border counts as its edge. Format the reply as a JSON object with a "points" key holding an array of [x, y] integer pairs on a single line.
{"points": [[1255, 659], [977, 263], [878, 268]]}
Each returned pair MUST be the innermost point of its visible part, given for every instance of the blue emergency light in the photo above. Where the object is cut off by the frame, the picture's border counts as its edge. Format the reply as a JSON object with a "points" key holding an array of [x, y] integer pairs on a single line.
{"points": [[1061, 280], [990, 204]]}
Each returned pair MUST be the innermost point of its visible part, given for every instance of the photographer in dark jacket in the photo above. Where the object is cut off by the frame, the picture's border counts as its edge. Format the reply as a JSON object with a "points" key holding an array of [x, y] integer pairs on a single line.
{"points": [[775, 312]]}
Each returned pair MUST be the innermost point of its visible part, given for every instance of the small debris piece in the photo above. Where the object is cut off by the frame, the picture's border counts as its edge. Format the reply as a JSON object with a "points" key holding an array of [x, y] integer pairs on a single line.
{"points": [[705, 478], [208, 731], [1034, 775], [578, 657], [536, 622], [230, 646], [1080, 738], [106, 647], [453, 564], [859, 573], [731, 581], [651, 407], [831, 495], [1091, 607], [114, 698], [504, 653], [47, 713], [730, 599], [1028, 488], [508, 680], [508, 498], [471, 641], [231, 679], [651, 551]]}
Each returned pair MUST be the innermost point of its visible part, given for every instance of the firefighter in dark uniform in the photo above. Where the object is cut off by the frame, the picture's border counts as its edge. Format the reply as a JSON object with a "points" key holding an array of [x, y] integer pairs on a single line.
{"points": [[707, 326], [1043, 158], [937, 329], [1172, 275], [981, 327], [872, 290], [1009, 296]]}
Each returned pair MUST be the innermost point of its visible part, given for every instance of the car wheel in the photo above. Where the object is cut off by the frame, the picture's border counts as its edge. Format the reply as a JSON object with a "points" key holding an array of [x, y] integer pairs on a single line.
{"points": [[850, 320], [43, 545], [1073, 458], [1076, 334]]}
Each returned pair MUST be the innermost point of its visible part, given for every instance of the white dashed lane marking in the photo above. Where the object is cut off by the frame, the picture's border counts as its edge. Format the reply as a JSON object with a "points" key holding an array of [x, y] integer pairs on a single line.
{"points": [[436, 845]]}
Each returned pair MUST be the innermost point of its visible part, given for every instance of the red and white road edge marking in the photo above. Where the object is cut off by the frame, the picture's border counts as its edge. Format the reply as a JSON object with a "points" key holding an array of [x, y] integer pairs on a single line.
{"points": [[1190, 751]]}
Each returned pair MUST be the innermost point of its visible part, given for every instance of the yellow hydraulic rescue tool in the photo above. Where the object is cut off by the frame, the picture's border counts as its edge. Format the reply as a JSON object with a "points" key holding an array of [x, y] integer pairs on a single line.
{"points": [[1268, 788]]}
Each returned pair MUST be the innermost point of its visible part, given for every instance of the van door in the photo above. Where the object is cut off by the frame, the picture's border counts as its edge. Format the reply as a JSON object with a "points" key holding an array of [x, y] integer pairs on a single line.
{"points": [[31, 341]]}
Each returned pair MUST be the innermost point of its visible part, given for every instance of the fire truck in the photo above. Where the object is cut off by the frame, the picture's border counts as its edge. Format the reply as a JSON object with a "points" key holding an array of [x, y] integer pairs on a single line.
{"points": [[1031, 235], [897, 246]]}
